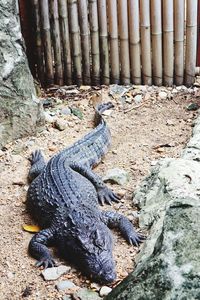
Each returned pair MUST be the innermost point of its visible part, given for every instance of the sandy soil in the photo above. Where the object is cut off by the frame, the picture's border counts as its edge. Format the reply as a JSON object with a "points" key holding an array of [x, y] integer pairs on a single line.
{"points": [[153, 129]]}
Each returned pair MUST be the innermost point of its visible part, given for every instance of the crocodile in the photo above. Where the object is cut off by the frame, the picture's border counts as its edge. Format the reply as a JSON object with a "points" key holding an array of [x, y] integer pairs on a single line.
{"points": [[64, 197]]}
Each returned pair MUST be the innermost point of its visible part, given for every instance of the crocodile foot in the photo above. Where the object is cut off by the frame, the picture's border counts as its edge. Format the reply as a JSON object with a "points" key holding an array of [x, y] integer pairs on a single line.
{"points": [[106, 195], [135, 238], [46, 262]]}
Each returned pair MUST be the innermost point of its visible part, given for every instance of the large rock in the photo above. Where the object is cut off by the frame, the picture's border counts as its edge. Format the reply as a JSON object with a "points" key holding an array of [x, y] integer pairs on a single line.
{"points": [[168, 265], [20, 111]]}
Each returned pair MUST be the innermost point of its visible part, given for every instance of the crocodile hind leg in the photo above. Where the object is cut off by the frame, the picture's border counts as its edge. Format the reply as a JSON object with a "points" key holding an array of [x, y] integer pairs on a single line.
{"points": [[37, 165], [115, 220], [38, 248], [104, 193]]}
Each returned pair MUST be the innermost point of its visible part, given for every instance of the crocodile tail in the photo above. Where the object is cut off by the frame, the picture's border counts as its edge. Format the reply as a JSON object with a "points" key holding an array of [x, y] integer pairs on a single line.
{"points": [[100, 108]]}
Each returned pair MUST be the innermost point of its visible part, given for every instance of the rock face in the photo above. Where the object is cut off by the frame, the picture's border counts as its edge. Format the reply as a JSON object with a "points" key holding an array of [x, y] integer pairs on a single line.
{"points": [[19, 108], [168, 265]]}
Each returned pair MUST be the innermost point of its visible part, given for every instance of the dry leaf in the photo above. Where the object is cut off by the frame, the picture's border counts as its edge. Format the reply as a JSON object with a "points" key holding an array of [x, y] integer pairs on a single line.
{"points": [[31, 228]]}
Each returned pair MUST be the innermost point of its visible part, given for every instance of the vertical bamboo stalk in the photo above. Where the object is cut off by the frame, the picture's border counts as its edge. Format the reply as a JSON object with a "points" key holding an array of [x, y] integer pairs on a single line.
{"points": [[75, 39], [55, 33], [65, 40], [38, 41], [168, 42], [134, 35], [191, 42], [179, 12], [85, 39], [94, 29], [156, 32], [114, 43], [103, 39], [124, 41], [145, 41], [46, 35]]}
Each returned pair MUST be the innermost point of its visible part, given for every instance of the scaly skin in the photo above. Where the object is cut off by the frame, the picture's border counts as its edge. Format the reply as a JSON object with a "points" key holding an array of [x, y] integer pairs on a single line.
{"points": [[63, 197]]}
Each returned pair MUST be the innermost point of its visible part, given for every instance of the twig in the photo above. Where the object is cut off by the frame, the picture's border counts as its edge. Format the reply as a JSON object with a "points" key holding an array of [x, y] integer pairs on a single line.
{"points": [[133, 107]]}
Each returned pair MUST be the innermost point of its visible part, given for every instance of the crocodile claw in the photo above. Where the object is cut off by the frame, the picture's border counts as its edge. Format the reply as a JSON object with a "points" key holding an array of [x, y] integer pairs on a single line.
{"points": [[106, 195], [46, 263], [135, 238]]}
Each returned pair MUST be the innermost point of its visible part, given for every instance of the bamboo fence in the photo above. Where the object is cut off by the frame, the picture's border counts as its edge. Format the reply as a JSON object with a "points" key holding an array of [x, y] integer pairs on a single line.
{"points": [[115, 41]]}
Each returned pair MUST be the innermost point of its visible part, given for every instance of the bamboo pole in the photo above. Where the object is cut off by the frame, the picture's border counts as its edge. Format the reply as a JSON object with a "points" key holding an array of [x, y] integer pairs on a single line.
{"points": [[103, 39], [55, 33], [168, 42], [179, 12], [156, 32], [75, 39], [124, 41], [145, 41], [46, 36], [134, 35], [85, 39], [191, 42], [38, 41], [65, 40], [114, 43], [94, 30]]}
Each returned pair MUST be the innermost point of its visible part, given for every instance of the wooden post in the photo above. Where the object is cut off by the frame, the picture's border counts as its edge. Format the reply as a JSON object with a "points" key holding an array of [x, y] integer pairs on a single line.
{"points": [[146, 41], [168, 42], [124, 41], [179, 15], [114, 42], [46, 36], [156, 32], [75, 39], [85, 39], [65, 40], [134, 36], [191, 42], [55, 33], [103, 39], [94, 31]]}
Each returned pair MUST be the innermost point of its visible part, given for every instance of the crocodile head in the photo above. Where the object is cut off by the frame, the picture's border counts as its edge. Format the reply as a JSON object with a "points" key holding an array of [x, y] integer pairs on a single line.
{"points": [[91, 248]]}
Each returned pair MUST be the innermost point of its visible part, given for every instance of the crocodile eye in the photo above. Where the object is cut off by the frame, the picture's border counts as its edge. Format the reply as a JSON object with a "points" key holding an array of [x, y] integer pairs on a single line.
{"points": [[99, 240]]}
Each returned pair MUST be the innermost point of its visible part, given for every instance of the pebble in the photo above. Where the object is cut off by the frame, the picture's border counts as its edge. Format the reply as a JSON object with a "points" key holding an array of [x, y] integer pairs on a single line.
{"points": [[55, 272], [66, 297], [138, 99], [60, 125], [192, 106], [104, 291], [86, 294], [116, 175], [170, 122], [65, 284], [48, 118], [66, 111], [163, 95]]}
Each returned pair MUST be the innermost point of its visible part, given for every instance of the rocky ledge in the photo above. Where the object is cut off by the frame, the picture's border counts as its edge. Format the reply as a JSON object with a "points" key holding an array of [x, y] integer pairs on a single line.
{"points": [[168, 265]]}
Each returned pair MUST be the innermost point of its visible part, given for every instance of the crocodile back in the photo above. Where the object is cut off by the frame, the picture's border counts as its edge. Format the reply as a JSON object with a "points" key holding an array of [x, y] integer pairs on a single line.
{"points": [[93, 146]]}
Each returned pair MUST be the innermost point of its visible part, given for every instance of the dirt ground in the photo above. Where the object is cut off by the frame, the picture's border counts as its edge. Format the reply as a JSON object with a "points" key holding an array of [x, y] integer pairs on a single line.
{"points": [[141, 134]]}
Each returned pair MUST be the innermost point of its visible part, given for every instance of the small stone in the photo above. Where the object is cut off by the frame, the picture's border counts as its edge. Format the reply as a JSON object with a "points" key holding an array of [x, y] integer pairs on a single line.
{"points": [[117, 175], [48, 118], [65, 284], [95, 286], [104, 291], [138, 99], [163, 95], [60, 125], [52, 148], [192, 106], [86, 294], [66, 111], [55, 272], [107, 112]]}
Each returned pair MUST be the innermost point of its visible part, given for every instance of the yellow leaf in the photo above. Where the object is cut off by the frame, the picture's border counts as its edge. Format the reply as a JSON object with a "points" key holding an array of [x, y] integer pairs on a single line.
{"points": [[31, 228]]}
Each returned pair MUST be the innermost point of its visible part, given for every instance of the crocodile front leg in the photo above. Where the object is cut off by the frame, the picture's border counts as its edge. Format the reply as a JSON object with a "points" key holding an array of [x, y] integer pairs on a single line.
{"points": [[104, 193], [37, 165], [38, 248], [115, 220]]}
